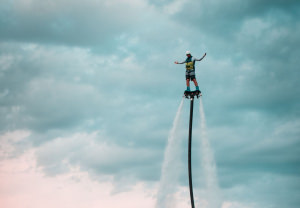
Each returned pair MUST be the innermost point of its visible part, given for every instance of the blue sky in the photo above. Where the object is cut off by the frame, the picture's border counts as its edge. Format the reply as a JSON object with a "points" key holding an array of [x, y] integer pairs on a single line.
{"points": [[93, 86]]}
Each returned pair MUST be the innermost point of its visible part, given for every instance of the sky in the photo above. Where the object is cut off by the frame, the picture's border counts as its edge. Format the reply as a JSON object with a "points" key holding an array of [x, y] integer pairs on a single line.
{"points": [[89, 91]]}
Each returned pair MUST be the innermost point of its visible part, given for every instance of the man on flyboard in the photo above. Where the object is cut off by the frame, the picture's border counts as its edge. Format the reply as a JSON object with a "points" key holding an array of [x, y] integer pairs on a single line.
{"points": [[190, 70]]}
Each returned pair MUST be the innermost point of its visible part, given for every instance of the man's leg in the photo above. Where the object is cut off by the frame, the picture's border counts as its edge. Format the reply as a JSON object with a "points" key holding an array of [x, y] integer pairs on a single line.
{"points": [[196, 84], [188, 84]]}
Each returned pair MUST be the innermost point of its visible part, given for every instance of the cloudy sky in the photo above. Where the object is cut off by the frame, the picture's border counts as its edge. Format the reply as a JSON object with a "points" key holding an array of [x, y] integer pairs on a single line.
{"points": [[89, 91]]}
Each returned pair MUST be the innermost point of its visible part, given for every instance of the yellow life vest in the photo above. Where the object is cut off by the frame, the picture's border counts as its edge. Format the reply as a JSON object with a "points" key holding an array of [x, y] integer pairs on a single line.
{"points": [[189, 65]]}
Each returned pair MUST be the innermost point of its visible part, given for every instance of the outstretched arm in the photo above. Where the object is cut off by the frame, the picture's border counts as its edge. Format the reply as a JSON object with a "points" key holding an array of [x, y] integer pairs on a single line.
{"points": [[176, 62], [201, 58]]}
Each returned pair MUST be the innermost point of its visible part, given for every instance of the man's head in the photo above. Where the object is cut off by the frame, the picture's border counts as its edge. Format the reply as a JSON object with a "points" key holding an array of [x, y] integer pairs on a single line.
{"points": [[188, 53]]}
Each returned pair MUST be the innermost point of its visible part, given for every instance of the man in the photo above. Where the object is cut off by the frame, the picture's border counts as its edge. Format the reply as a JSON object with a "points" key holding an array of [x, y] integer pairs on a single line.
{"points": [[190, 69]]}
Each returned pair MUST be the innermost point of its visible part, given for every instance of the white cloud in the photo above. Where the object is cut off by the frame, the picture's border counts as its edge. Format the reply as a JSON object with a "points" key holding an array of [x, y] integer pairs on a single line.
{"points": [[5, 62], [229, 204], [175, 6], [22, 184], [96, 153], [9, 140], [254, 28]]}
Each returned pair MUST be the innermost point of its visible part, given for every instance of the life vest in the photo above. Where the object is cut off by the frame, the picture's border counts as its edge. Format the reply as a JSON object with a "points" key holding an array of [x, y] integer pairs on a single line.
{"points": [[189, 65]]}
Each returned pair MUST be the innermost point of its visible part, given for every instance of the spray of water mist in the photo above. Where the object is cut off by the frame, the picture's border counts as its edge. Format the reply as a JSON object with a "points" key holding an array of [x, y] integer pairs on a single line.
{"points": [[213, 197], [170, 173]]}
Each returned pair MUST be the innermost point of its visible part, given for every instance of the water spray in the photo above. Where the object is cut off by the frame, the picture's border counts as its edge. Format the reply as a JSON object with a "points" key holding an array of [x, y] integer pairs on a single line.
{"points": [[209, 165], [169, 172]]}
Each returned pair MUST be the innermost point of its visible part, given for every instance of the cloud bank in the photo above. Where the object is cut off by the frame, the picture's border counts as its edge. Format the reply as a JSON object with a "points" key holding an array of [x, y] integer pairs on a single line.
{"points": [[93, 86]]}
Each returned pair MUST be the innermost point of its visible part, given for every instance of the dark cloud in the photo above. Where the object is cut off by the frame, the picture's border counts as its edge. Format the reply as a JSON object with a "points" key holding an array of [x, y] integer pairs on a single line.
{"points": [[62, 90], [32, 92], [222, 19], [90, 152], [253, 53], [94, 24]]}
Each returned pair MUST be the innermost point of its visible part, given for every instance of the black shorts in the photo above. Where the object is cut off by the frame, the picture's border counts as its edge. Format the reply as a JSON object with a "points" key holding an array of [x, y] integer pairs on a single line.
{"points": [[190, 75]]}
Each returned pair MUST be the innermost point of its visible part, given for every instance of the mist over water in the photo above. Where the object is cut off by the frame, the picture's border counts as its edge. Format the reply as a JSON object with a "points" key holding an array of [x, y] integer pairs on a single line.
{"points": [[208, 166], [170, 173]]}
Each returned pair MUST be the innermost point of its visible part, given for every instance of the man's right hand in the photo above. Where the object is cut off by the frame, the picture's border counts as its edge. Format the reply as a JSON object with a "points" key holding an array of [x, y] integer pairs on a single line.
{"points": [[176, 62]]}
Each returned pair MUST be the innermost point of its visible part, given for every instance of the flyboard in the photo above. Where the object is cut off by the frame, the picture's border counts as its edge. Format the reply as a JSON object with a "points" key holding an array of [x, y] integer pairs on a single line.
{"points": [[192, 94]]}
